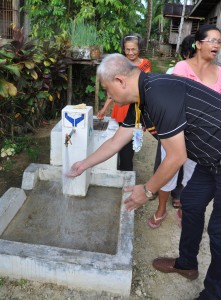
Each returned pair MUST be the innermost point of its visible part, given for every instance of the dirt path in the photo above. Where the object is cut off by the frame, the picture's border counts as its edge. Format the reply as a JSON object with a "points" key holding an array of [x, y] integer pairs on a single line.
{"points": [[147, 283]]}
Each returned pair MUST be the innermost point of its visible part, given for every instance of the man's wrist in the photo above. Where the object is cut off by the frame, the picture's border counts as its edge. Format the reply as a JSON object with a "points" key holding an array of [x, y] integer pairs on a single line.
{"points": [[150, 195]]}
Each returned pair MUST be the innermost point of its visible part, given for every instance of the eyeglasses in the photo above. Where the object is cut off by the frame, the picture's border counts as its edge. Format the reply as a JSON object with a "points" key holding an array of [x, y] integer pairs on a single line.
{"points": [[212, 41], [128, 51]]}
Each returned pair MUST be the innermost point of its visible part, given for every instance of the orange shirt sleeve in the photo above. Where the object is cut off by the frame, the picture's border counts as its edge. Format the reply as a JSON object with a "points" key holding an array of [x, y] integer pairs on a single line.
{"points": [[145, 65]]}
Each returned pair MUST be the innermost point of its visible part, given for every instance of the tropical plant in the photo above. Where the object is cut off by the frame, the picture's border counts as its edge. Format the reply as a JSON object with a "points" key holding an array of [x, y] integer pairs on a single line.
{"points": [[48, 17], [91, 89], [8, 90], [7, 70], [113, 18], [26, 56], [84, 34], [43, 79], [54, 73]]}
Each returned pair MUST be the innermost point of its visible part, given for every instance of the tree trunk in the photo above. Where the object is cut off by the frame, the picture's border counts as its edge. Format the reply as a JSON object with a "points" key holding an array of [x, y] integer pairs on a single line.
{"points": [[161, 27], [180, 28], [149, 21]]}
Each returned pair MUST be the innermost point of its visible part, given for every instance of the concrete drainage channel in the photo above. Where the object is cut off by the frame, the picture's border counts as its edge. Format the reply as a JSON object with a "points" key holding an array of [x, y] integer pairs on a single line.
{"points": [[83, 243]]}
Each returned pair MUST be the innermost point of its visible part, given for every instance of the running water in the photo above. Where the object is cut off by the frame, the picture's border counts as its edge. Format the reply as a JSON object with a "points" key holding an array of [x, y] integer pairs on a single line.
{"points": [[67, 181]]}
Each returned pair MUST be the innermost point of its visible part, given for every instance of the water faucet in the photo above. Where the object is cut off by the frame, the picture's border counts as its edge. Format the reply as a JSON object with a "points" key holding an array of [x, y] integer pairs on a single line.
{"points": [[68, 137]]}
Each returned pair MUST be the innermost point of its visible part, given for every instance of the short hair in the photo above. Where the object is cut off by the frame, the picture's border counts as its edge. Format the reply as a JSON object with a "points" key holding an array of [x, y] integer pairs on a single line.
{"points": [[115, 64], [187, 47], [201, 34], [131, 37]]}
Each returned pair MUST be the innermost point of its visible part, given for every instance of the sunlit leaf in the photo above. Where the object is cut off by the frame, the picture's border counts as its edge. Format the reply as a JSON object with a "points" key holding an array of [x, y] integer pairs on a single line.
{"points": [[12, 90], [17, 116], [52, 59], [47, 63], [34, 74], [3, 88], [29, 65], [58, 95]]}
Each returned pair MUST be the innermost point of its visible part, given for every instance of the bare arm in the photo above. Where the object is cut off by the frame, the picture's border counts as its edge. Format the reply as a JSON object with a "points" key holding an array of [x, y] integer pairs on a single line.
{"points": [[102, 112], [175, 157], [105, 151]]}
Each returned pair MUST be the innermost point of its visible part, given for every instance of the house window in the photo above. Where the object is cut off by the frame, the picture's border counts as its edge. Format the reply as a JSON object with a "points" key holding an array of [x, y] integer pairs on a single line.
{"points": [[9, 15], [212, 21], [175, 25], [196, 25]]}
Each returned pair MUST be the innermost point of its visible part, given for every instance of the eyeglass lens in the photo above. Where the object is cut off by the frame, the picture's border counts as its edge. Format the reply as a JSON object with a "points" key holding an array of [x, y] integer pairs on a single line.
{"points": [[212, 41]]}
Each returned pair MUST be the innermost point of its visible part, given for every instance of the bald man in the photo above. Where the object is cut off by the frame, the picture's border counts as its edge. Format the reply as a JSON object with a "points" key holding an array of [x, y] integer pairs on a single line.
{"points": [[186, 117]]}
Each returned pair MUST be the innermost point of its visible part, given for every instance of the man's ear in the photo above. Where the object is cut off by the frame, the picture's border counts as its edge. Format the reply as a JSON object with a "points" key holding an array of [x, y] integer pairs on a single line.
{"points": [[121, 80]]}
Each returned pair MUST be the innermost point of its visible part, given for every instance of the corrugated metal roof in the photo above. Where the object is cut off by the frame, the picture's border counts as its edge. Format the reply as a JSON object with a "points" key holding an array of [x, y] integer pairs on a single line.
{"points": [[203, 7]]}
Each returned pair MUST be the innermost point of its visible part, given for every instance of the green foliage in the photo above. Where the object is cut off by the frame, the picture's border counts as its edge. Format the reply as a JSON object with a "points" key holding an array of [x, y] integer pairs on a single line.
{"points": [[160, 66], [33, 153], [113, 18], [8, 71], [2, 281], [42, 82], [84, 34], [18, 143], [10, 147], [7, 165], [21, 282], [54, 73], [91, 89], [48, 18]]}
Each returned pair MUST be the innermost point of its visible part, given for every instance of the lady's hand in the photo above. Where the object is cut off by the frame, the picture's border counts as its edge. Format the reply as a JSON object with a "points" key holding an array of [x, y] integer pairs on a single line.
{"points": [[101, 114]]}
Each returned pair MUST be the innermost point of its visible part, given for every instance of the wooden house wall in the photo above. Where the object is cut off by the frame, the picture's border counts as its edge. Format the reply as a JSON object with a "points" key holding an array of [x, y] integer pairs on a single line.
{"points": [[216, 13], [173, 38], [10, 14]]}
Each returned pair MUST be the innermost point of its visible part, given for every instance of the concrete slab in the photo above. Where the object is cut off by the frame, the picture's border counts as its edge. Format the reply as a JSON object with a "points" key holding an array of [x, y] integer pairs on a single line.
{"points": [[80, 223], [10, 203], [109, 271]]}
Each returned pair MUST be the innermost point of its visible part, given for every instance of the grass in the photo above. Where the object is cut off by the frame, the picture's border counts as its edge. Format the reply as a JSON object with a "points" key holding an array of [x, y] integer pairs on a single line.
{"points": [[160, 65]]}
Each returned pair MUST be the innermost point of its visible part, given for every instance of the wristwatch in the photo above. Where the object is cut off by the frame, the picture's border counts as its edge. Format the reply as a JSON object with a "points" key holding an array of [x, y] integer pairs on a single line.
{"points": [[150, 195]]}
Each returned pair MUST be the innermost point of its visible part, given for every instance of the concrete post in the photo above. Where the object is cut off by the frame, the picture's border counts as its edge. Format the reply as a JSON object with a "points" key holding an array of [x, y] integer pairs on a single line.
{"points": [[77, 144]]}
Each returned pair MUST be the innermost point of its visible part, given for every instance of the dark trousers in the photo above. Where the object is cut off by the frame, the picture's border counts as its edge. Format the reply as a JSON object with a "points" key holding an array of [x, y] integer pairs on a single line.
{"points": [[201, 188], [125, 158]]}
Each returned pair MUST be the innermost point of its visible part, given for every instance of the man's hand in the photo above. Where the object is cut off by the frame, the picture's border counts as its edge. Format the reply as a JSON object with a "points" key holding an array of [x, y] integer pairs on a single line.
{"points": [[76, 169], [137, 197]]}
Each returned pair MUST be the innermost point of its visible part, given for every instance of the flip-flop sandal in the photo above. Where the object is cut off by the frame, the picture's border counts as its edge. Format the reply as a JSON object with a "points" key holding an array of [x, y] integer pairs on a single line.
{"points": [[155, 224], [176, 203]]}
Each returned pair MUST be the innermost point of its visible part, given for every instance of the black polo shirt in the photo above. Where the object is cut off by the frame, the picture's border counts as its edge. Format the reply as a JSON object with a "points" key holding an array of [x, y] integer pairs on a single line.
{"points": [[171, 104]]}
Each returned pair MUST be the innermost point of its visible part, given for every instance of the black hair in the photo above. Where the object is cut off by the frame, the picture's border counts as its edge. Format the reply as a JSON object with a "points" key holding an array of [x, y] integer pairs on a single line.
{"points": [[201, 34], [131, 37], [187, 48]]}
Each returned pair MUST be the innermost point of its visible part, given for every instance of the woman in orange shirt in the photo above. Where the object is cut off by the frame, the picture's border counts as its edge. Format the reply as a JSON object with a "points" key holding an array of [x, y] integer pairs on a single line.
{"points": [[130, 45]]}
